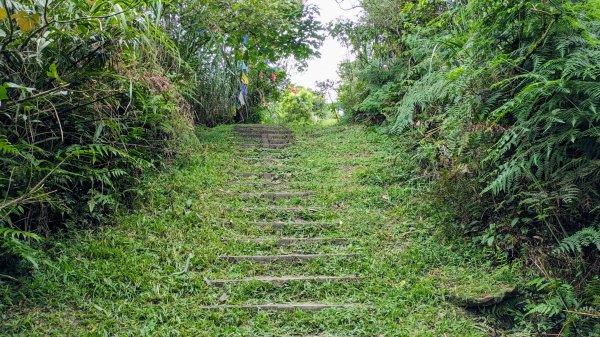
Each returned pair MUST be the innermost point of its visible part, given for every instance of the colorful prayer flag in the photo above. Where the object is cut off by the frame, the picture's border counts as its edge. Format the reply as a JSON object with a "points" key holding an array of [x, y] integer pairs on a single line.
{"points": [[269, 65], [241, 99]]}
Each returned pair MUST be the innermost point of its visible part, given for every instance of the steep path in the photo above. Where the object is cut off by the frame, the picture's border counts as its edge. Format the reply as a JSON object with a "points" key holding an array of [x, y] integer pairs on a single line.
{"points": [[263, 231], [277, 206]]}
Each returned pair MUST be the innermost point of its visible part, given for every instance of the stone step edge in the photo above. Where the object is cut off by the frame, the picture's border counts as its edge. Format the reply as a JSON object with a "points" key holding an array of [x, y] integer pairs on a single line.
{"points": [[274, 195], [285, 258], [279, 242], [280, 209], [277, 280], [281, 224], [285, 307]]}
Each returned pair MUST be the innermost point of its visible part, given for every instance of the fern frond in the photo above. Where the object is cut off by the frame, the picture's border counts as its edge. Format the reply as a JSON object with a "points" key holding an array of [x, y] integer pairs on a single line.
{"points": [[574, 244], [8, 233], [6, 148]]}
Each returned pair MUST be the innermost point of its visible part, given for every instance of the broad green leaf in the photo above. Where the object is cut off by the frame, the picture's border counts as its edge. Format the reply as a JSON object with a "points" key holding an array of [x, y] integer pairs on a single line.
{"points": [[3, 93], [53, 73]]}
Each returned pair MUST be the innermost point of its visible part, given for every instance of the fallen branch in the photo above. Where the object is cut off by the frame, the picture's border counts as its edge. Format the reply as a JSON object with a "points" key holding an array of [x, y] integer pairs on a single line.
{"points": [[35, 188], [582, 313]]}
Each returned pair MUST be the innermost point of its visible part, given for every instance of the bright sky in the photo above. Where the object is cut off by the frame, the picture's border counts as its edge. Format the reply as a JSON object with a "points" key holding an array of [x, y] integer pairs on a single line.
{"points": [[332, 51]]}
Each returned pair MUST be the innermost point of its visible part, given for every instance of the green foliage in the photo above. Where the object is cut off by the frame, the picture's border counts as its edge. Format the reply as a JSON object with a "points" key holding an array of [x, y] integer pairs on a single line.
{"points": [[576, 243], [74, 128], [160, 254], [501, 100], [95, 93], [302, 105], [210, 36]]}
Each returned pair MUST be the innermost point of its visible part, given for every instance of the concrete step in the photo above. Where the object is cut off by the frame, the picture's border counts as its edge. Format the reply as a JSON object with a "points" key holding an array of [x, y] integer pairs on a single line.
{"points": [[281, 209], [259, 133], [257, 137], [259, 142], [283, 224], [263, 184], [275, 134], [265, 166], [284, 307], [276, 195], [275, 145], [283, 258], [263, 146], [286, 279], [266, 152], [263, 159], [270, 140], [260, 128], [260, 175], [284, 242]]}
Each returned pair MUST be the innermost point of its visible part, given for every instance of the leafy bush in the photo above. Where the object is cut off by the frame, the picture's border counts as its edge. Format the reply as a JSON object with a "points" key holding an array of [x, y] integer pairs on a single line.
{"points": [[86, 107], [217, 38], [301, 105], [95, 92], [501, 100]]}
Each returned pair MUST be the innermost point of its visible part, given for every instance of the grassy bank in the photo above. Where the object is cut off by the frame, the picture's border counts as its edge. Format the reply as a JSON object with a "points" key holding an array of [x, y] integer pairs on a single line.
{"points": [[145, 275]]}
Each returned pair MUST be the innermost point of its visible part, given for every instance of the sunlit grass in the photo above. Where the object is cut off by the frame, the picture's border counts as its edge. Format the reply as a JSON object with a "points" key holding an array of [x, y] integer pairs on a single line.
{"points": [[146, 275]]}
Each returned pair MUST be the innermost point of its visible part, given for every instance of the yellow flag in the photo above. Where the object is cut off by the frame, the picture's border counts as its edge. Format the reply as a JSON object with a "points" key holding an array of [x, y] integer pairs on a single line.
{"points": [[3, 14], [245, 79], [26, 21]]}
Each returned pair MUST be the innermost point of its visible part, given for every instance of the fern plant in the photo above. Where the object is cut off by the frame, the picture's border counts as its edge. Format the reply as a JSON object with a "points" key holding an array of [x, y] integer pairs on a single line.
{"points": [[500, 99], [574, 244]]}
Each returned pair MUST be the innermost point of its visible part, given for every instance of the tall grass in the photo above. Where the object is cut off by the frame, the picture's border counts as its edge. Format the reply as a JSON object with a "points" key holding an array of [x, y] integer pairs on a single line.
{"points": [[86, 107], [93, 93]]}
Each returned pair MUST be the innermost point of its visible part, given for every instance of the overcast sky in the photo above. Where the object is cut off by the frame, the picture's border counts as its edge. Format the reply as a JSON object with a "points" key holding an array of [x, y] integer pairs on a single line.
{"points": [[332, 52]]}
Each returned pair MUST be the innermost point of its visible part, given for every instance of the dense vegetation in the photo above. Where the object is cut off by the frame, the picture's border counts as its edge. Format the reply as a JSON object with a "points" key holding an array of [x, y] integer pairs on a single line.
{"points": [[299, 105], [501, 101], [490, 105], [147, 275], [95, 92]]}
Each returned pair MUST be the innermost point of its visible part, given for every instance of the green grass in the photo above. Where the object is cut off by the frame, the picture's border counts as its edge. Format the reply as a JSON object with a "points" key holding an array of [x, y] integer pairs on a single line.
{"points": [[146, 274]]}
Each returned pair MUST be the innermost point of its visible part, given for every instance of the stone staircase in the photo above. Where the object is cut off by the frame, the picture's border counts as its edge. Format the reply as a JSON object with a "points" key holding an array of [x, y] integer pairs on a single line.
{"points": [[279, 209]]}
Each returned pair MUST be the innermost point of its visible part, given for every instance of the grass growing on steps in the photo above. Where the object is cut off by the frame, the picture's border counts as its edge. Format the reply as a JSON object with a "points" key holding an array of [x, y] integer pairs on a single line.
{"points": [[146, 275]]}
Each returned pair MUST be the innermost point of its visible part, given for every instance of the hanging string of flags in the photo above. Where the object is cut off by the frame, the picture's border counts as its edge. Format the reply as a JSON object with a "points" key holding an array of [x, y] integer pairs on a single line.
{"points": [[240, 96]]}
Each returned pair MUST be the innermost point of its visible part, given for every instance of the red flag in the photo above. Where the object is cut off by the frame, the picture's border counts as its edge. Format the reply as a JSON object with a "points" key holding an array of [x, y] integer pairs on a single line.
{"points": [[273, 77]]}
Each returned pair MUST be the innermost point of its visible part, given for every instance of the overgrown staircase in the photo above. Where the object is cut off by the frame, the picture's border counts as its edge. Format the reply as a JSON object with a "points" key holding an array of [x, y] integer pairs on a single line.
{"points": [[277, 208]]}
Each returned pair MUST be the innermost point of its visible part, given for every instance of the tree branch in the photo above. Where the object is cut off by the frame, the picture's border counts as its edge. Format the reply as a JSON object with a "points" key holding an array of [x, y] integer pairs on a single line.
{"points": [[340, 3], [35, 188]]}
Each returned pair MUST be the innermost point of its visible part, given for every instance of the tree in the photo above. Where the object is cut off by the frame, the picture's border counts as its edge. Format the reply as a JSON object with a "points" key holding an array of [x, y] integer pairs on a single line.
{"points": [[325, 89], [302, 106], [219, 38]]}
